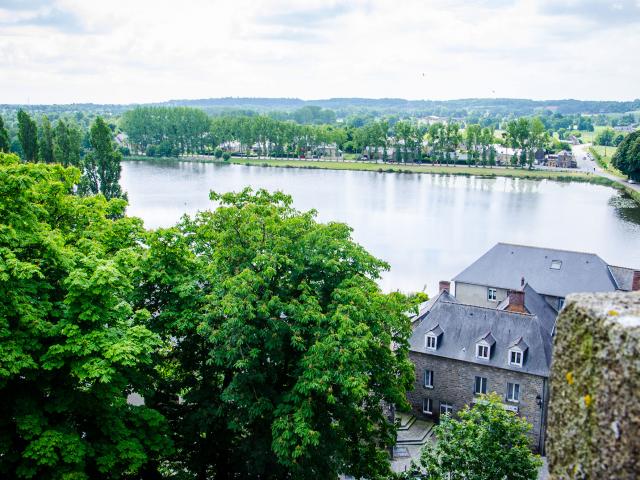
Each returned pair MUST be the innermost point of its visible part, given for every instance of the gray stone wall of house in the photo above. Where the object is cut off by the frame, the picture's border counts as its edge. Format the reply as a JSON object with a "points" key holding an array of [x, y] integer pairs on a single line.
{"points": [[470, 294], [594, 413], [454, 383]]}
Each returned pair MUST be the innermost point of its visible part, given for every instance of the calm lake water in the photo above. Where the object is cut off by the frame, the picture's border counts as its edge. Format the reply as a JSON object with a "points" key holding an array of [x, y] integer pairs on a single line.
{"points": [[427, 227]]}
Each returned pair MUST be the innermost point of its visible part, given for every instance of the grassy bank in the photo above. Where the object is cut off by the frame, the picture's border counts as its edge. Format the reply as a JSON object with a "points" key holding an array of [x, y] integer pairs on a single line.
{"points": [[603, 156], [485, 172]]}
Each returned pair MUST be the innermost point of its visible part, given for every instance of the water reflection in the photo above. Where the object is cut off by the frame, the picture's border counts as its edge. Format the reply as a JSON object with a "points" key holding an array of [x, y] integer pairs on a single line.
{"points": [[428, 227]]}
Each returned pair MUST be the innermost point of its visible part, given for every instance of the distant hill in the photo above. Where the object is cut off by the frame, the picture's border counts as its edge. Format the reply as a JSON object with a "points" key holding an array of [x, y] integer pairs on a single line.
{"points": [[462, 106]]}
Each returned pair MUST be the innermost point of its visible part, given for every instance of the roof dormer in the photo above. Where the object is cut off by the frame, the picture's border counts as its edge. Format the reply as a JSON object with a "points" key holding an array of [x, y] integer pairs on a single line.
{"points": [[484, 346], [432, 338], [517, 352]]}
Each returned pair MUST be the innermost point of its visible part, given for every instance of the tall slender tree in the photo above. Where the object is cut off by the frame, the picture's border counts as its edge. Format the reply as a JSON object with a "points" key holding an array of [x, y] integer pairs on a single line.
{"points": [[67, 139], [5, 144], [102, 165], [45, 142], [28, 136]]}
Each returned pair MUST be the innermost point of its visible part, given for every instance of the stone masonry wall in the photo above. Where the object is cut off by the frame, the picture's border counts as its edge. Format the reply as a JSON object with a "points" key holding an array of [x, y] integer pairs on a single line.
{"points": [[454, 383], [594, 413]]}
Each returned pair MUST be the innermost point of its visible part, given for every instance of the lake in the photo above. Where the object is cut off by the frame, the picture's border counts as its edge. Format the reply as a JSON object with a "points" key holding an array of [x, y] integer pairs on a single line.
{"points": [[427, 227]]}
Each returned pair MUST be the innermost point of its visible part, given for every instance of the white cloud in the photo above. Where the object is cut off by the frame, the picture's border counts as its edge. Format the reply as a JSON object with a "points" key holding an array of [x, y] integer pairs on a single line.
{"points": [[152, 50]]}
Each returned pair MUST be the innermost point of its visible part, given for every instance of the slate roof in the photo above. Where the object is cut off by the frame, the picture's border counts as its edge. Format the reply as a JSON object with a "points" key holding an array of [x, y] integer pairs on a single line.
{"points": [[623, 277], [504, 266], [463, 325]]}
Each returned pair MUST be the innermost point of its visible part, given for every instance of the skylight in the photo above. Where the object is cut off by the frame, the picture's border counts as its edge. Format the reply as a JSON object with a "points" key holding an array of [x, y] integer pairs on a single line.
{"points": [[556, 264]]}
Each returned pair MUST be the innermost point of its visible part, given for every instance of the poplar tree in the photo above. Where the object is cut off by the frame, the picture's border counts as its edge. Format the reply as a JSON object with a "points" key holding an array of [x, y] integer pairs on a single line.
{"points": [[46, 140], [5, 144], [102, 164], [28, 136]]}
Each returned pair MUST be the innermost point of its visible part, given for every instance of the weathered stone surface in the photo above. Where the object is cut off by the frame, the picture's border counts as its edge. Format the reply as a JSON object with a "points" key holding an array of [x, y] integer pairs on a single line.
{"points": [[594, 413]]}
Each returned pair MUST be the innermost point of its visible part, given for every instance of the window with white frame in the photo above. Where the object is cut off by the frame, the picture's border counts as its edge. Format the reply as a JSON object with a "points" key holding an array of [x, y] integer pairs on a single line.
{"points": [[428, 378], [482, 351], [513, 392], [430, 341], [480, 385], [492, 294], [515, 357], [446, 408], [560, 303], [427, 405]]}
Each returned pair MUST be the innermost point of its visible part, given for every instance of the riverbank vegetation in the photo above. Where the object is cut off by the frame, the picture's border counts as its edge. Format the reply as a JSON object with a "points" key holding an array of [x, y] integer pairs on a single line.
{"points": [[246, 342]]}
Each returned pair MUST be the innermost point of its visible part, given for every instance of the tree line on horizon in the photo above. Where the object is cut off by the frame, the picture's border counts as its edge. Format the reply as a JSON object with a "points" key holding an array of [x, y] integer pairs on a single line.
{"points": [[174, 131]]}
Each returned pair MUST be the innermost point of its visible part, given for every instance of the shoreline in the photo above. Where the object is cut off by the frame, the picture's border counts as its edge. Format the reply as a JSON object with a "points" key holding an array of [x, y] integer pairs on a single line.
{"points": [[462, 170]]}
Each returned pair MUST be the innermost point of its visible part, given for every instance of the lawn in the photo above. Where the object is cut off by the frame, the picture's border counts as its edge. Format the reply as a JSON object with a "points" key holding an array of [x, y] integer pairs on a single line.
{"points": [[604, 156], [437, 169]]}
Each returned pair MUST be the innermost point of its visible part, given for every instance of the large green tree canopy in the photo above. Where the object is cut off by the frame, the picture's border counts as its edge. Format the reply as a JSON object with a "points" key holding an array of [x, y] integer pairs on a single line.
{"points": [[72, 346], [281, 343], [257, 337]]}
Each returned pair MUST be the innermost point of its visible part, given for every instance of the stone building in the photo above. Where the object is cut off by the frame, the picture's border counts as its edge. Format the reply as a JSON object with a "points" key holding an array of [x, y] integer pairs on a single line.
{"points": [[461, 351], [496, 333], [551, 272]]}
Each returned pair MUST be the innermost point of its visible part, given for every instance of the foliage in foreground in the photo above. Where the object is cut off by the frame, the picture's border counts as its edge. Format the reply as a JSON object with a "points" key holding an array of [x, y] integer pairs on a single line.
{"points": [[484, 442], [72, 346], [258, 338], [283, 354]]}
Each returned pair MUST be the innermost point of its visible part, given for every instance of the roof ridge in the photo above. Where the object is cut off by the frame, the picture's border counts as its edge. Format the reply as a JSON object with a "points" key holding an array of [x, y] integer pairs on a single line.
{"points": [[549, 248], [489, 308]]}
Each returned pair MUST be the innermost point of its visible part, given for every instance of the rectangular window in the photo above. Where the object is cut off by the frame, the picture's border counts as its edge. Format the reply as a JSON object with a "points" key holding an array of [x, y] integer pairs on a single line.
{"points": [[428, 378], [560, 303], [513, 392], [556, 264], [515, 358], [482, 351], [480, 386], [492, 294], [427, 405], [446, 408], [431, 342]]}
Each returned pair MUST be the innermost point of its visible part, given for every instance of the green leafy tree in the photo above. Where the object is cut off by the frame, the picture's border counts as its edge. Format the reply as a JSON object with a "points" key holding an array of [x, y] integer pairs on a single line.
{"points": [[484, 442], [67, 140], [627, 156], [218, 153], [5, 143], [605, 137], [28, 136], [282, 343], [72, 346], [45, 142], [102, 164]]}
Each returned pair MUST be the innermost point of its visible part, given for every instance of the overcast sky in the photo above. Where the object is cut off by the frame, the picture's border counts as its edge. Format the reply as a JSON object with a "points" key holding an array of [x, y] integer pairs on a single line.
{"points": [[121, 51]]}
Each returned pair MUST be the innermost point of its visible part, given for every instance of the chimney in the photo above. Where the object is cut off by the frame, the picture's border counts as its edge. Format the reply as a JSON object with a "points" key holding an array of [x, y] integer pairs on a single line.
{"points": [[516, 301], [444, 286], [522, 282], [635, 283]]}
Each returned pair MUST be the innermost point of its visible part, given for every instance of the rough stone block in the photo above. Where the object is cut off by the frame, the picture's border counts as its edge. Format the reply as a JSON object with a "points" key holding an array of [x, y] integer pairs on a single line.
{"points": [[594, 411]]}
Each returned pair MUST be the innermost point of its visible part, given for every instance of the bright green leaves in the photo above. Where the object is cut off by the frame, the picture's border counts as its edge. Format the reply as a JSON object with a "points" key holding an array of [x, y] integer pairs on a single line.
{"points": [[485, 441], [72, 345]]}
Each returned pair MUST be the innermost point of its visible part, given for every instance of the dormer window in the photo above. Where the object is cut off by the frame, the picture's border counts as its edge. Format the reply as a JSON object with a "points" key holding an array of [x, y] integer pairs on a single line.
{"points": [[432, 338], [556, 264], [515, 357], [483, 346], [516, 352], [482, 351]]}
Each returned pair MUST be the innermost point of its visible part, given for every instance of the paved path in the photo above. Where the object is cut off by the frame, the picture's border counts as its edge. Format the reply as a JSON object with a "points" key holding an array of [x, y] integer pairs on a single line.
{"points": [[588, 164]]}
